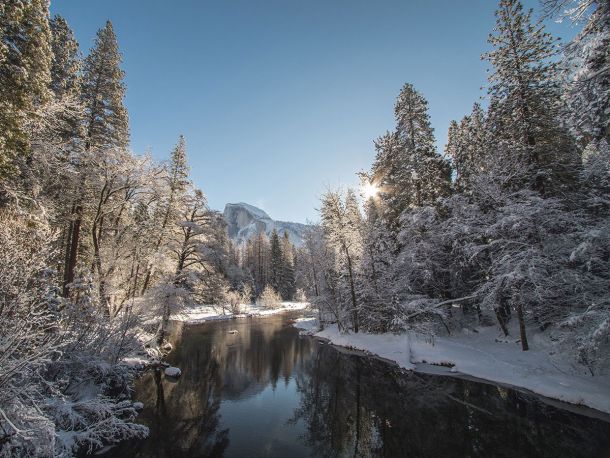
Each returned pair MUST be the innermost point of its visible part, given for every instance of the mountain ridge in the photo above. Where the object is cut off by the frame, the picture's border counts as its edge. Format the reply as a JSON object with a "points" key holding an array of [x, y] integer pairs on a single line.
{"points": [[245, 221]]}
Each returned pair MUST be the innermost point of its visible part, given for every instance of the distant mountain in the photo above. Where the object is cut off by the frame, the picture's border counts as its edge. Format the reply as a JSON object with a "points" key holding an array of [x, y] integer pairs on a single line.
{"points": [[244, 221]]}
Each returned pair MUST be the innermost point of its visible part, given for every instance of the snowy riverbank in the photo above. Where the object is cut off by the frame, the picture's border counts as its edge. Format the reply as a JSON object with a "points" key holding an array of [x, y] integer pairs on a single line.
{"points": [[481, 353], [205, 313], [150, 353]]}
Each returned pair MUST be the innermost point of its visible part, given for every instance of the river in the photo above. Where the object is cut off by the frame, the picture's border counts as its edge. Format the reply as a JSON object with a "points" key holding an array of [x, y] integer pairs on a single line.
{"points": [[266, 391]]}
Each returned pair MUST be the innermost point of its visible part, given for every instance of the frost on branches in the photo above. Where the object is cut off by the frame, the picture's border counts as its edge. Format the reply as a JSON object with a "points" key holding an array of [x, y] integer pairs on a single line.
{"points": [[100, 247], [61, 368]]}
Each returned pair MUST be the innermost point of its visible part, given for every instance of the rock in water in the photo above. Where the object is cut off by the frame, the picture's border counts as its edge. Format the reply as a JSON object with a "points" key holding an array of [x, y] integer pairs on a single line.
{"points": [[173, 372]]}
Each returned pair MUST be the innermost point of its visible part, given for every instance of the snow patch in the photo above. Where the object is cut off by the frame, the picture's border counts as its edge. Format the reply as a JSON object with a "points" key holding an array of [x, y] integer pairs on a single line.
{"points": [[203, 313], [138, 405]]}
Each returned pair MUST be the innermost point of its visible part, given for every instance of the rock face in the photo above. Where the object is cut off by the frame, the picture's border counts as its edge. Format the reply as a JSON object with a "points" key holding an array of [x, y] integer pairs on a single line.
{"points": [[245, 221]]}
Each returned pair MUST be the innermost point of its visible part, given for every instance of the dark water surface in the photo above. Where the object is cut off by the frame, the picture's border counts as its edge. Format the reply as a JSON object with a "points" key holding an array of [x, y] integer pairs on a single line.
{"points": [[268, 392]]}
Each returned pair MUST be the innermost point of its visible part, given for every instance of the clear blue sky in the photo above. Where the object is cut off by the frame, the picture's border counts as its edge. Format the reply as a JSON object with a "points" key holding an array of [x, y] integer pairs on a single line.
{"points": [[279, 99]]}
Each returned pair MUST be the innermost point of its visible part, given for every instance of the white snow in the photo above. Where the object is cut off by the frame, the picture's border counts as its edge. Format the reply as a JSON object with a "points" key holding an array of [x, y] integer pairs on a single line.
{"points": [[172, 371], [483, 353], [244, 221], [307, 325], [204, 313], [138, 405], [258, 212], [138, 362]]}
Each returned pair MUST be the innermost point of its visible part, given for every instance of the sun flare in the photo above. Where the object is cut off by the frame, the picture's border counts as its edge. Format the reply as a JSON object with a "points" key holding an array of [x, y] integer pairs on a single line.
{"points": [[369, 190]]}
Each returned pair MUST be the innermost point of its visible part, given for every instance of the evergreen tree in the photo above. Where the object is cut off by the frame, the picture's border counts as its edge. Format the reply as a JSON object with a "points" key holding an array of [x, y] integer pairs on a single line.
{"points": [[455, 144], [407, 169], [429, 173], [258, 261], [66, 63], [103, 90], [106, 124], [378, 257], [288, 269], [275, 262], [25, 74], [525, 97], [386, 175], [586, 75], [466, 146], [65, 86]]}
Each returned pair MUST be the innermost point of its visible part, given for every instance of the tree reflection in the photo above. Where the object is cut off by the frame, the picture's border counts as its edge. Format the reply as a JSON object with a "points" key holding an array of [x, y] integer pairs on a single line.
{"points": [[183, 415], [355, 406], [348, 405]]}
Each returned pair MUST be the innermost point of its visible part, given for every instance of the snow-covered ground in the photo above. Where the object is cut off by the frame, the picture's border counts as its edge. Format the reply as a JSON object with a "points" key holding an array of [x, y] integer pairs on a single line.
{"points": [[204, 313], [483, 353]]}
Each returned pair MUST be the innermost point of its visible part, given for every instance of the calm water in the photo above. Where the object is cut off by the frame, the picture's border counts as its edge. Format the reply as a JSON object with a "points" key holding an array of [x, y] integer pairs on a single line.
{"points": [[268, 392]]}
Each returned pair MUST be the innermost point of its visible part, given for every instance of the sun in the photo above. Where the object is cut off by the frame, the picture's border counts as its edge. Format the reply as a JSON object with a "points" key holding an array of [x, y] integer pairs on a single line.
{"points": [[369, 190]]}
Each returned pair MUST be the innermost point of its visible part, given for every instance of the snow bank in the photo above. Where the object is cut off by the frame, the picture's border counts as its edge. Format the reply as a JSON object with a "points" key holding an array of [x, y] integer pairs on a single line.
{"points": [[307, 325], [205, 313], [481, 353], [388, 346]]}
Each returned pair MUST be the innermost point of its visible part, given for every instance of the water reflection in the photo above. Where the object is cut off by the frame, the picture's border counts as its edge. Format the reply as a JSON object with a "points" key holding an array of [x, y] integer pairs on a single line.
{"points": [[218, 368], [357, 406], [266, 392]]}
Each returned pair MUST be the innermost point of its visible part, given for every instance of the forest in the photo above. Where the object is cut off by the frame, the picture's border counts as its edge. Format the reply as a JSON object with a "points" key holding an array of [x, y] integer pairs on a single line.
{"points": [[509, 226]]}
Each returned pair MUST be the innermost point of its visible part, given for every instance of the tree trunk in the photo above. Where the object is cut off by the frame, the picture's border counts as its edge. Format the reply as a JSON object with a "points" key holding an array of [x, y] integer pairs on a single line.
{"points": [[67, 244], [73, 250], [524, 345], [96, 238], [352, 290], [501, 321], [358, 413], [164, 322]]}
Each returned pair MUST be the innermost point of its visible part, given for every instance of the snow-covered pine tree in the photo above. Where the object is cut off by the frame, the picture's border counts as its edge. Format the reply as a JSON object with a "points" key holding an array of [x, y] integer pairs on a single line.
{"points": [[524, 108], [275, 262], [288, 267], [259, 262], [25, 74], [103, 91], [66, 63], [407, 168], [378, 257], [386, 174], [596, 175], [430, 175], [466, 146], [65, 85], [586, 74], [106, 125]]}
